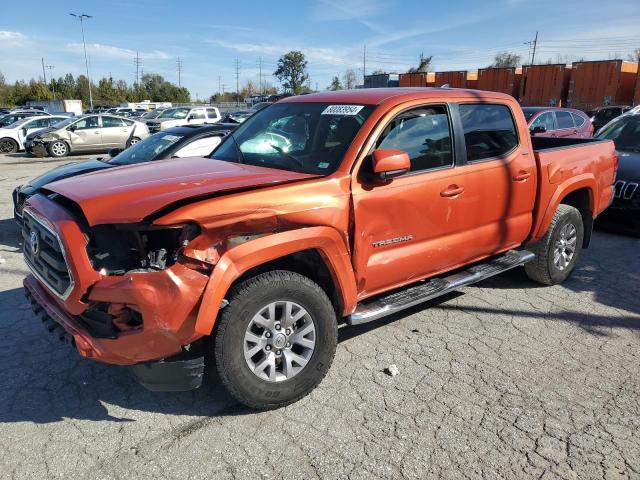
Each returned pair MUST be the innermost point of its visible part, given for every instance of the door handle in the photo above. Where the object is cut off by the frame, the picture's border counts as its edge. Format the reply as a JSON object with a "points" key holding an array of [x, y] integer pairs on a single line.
{"points": [[522, 176], [452, 191]]}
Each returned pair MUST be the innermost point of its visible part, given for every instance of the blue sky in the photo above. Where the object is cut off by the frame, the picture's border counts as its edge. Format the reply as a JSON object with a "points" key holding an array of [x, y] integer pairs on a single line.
{"points": [[208, 36]]}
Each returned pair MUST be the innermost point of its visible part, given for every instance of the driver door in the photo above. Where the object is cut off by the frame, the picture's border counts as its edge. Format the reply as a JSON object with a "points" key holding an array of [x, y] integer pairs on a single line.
{"points": [[86, 134]]}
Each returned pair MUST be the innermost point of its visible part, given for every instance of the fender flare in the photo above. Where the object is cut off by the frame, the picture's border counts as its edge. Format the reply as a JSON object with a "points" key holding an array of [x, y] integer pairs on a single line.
{"points": [[579, 182], [235, 262]]}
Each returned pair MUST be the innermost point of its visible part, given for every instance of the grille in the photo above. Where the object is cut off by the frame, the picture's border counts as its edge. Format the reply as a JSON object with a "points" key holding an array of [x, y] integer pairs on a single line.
{"points": [[18, 200], [45, 256], [625, 190]]}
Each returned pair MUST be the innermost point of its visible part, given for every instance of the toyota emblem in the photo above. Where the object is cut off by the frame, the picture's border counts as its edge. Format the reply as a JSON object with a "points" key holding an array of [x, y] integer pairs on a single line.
{"points": [[34, 242]]}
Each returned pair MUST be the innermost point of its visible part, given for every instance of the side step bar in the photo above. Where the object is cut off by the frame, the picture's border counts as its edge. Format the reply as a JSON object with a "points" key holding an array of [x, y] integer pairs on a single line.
{"points": [[410, 296]]}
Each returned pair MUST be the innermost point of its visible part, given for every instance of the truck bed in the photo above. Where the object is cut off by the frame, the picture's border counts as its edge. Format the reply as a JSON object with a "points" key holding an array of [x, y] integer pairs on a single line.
{"points": [[572, 164]]}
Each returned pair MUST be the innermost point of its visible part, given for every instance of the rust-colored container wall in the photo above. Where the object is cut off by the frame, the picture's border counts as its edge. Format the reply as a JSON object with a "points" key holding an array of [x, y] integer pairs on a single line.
{"points": [[545, 85], [453, 79], [417, 79], [636, 98], [504, 80], [600, 83]]}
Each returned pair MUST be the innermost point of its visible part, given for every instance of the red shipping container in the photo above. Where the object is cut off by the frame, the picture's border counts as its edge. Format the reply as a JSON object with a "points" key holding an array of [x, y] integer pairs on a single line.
{"points": [[504, 80], [601, 83], [545, 85]]}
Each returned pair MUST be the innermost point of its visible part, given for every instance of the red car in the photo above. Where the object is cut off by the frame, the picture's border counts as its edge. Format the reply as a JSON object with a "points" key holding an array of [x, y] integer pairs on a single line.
{"points": [[558, 122]]}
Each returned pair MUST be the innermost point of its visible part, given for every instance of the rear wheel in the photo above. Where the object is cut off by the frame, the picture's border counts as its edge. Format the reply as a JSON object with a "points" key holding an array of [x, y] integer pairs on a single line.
{"points": [[276, 339], [8, 145], [558, 251], [58, 149]]}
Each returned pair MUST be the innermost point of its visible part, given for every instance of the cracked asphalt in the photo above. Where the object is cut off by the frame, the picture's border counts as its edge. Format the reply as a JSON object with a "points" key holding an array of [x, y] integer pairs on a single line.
{"points": [[504, 379]]}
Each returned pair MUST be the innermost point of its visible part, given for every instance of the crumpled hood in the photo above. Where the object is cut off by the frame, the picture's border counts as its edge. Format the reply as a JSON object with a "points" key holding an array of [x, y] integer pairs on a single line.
{"points": [[128, 194]]}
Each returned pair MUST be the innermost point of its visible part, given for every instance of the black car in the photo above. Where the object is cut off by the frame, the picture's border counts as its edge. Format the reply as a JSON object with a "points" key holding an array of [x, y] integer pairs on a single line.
{"points": [[624, 212], [185, 141], [601, 116]]}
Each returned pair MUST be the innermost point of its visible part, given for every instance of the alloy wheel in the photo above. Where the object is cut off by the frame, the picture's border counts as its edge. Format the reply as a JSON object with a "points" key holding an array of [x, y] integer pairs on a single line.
{"points": [[279, 341], [565, 246]]}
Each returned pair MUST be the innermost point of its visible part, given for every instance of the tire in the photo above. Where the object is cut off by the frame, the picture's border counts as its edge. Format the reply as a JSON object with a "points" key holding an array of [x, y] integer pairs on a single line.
{"points": [[550, 266], [277, 384], [58, 149], [8, 145]]}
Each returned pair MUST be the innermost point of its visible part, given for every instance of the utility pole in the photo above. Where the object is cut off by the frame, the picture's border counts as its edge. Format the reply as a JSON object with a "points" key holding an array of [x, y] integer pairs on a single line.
{"points": [[179, 72], [364, 64], [260, 69], [44, 75], [237, 81], [136, 61], [53, 84], [535, 44], [81, 17]]}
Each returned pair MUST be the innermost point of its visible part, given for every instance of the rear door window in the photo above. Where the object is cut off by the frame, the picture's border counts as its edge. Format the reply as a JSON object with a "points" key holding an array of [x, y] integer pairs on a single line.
{"points": [[564, 119], [197, 114], [579, 121], [489, 131], [211, 113]]}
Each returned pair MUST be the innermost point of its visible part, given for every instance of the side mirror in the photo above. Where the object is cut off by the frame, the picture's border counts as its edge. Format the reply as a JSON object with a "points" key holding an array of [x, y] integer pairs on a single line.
{"points": [[538, 129], [24, 131], [72, 128], [388, 164], [114, 151]]}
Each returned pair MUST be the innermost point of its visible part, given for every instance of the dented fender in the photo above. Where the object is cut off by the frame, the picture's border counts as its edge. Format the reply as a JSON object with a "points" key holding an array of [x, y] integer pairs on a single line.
{"points": [[326, 240]]}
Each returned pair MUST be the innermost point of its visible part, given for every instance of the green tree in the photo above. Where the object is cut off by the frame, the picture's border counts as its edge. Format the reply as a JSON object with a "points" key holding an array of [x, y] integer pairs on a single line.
{"points": [[38, 91], [335, 84], [292, 71]]}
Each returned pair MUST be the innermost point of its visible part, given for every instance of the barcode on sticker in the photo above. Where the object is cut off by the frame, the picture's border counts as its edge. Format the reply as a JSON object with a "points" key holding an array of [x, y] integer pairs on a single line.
{"points": [[342, 109]]}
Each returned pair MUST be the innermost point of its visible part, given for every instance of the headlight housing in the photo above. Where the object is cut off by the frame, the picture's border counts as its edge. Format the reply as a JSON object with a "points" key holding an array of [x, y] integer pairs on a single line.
{"points": [[118, 249]]}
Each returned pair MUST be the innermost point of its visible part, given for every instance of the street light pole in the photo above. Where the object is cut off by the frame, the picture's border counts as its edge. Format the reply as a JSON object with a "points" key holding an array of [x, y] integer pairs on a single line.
{"points": [[81, 17]]}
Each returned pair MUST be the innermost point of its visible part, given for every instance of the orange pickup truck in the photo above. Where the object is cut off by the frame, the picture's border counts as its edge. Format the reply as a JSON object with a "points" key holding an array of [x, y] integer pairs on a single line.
{"points": [[338, 207]]}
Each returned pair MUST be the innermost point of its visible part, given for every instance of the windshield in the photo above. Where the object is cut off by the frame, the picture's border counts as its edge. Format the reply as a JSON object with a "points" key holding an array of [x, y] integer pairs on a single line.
{"points": [[146, 150], [64, 123], [624, 131], [529, 112], [301, 137], [154, 114], [176, 113]]}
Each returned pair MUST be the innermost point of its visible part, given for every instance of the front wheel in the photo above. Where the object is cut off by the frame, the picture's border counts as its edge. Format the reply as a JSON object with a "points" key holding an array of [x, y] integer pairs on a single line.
{"points": [[558, 251], [58, 149], [8, 145], [276, 339]]}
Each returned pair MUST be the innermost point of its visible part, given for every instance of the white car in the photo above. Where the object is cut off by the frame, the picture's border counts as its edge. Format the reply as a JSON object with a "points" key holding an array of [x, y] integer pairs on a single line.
{"points": [[177, 117], [12, 136]]}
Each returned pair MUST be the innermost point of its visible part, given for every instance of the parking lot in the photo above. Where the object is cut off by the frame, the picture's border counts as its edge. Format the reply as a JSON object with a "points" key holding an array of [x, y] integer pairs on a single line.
{"points": [[505, 379]]}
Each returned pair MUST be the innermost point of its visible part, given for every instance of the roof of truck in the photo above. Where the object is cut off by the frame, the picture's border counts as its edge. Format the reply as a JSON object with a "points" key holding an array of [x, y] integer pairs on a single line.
{"points": [[375, 96]]}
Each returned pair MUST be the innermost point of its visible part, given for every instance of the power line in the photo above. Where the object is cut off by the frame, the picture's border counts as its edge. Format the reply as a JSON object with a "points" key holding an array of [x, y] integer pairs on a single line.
{"points": [[237, 79]]}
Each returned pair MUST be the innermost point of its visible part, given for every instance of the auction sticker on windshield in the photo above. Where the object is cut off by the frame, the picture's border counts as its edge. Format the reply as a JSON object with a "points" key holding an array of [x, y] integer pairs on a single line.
{"points": [[342, 109], [170, 138]]}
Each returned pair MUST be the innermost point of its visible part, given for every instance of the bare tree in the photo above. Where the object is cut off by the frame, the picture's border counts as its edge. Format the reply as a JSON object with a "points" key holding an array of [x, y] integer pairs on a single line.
{"points": [[505, 59], [635, 56], [424, 65], [349, 79]]}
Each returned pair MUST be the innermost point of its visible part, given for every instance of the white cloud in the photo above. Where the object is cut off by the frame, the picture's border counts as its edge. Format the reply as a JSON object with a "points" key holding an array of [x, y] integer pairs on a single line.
{"points": [[110, 51], [11, 37], [358, 10]]}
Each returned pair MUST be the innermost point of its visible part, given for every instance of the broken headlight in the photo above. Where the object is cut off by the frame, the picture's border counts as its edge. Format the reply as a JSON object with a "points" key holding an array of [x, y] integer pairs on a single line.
{"points": [[118, 249]]}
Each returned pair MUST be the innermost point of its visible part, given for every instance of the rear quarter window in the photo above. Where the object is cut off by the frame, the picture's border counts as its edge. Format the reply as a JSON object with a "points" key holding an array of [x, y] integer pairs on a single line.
{"points": [[489, 130], [578, 119]]}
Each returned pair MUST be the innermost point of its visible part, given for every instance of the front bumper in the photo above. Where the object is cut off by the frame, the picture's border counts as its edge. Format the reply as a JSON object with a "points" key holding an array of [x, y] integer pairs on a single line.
{"points": [[166, 301]]}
